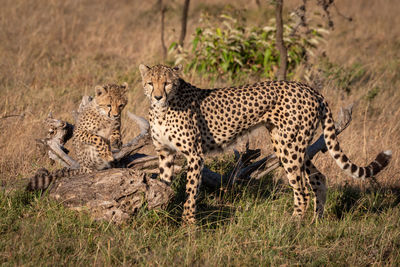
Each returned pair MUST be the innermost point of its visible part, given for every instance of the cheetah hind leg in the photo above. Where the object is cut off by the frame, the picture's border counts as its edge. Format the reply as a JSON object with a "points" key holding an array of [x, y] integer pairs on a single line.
{"points": [[292, 162], [296, 176], [317, 181]]}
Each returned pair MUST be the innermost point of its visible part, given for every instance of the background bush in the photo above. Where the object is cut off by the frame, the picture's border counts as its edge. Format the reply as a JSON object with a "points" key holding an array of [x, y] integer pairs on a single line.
{"points": [[231, 48]]}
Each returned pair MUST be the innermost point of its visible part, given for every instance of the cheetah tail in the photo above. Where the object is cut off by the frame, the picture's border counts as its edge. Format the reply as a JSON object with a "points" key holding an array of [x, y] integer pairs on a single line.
{"points": [[43, 178], [380, 162]]}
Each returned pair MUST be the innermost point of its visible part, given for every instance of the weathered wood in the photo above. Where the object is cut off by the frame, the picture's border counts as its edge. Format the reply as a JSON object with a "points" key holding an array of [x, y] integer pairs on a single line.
{"points": [[113, 194]]}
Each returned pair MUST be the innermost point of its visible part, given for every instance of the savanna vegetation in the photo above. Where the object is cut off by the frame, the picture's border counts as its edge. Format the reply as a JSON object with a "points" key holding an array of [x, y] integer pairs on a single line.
{"points": [[54, 52]]}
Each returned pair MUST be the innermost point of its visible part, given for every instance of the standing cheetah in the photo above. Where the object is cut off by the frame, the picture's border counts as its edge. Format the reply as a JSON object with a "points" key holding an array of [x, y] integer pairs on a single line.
{"points": [[192, 121], [96, 134]]}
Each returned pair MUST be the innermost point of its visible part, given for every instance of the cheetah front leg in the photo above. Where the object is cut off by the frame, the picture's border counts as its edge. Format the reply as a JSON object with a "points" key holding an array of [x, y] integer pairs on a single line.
{"points": [[195, 166], [115, 140], [99, 143], [166, 164]]}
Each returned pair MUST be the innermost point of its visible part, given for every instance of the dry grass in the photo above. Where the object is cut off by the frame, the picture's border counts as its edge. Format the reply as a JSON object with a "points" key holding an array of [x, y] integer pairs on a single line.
{"points": [[373, 40], [54, 52]]}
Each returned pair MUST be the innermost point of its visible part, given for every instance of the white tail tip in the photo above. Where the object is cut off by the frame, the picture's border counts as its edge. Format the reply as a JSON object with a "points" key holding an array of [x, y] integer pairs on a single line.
{"points": [[388, 152]]}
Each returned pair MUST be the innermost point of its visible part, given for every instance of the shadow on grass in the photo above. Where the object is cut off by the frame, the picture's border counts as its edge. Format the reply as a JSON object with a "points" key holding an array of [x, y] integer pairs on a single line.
{"points": [[13, 207], [217, 206], [353, 199]]}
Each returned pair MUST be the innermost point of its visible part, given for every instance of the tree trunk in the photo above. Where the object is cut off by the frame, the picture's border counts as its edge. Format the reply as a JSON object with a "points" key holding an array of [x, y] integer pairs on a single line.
{"points": [[163, 9], [281, 75], [184, 22]]}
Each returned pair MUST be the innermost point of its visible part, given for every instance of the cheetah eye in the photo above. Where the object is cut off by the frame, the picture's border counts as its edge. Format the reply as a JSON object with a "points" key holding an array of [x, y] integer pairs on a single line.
{"points": [[121, 106], [150, 83], [109, 106], [167, 83]]}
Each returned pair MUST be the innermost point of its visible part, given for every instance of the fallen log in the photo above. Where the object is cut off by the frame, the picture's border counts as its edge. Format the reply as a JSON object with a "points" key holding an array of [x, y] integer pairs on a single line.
{"points": [[112, 195]]}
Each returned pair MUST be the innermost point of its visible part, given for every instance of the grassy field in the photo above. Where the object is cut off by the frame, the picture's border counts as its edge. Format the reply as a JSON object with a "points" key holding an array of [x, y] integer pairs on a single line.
{"points": [[248, 228], [53, 52]]}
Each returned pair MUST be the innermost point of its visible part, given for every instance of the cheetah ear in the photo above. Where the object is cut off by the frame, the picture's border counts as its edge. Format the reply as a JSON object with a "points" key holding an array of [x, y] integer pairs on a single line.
{"points": [[178, 68], [125, 87], [143, 69], [100, 90]]}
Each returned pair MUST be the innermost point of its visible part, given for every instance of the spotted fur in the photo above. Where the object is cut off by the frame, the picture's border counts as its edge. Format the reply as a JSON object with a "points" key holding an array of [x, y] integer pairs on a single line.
{"points": [[96, 134], [192, 121]]}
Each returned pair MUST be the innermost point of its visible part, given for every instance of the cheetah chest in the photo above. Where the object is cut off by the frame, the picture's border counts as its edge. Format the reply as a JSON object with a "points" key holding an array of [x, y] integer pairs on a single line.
{"points": [[105, 133], [161, 134], [106, 128]]}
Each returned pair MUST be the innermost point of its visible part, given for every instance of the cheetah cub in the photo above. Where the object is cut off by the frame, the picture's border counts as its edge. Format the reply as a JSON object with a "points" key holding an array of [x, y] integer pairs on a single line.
{"points": [[97, 133], [192, 121]]}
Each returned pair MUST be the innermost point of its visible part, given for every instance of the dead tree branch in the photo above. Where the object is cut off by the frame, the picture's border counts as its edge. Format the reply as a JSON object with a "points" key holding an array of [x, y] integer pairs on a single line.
{"points": [[325, 4], [300, 12], [350, 19], [58, 134], [11, 116]]}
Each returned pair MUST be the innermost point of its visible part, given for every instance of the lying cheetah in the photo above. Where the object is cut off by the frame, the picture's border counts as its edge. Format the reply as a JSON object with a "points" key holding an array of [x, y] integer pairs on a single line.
{"points": [[96, 134], [192, 121]]}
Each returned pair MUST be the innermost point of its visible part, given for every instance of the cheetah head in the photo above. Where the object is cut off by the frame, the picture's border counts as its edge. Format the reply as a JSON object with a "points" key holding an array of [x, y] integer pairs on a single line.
{"points": [[111, 99], [160, 82]]}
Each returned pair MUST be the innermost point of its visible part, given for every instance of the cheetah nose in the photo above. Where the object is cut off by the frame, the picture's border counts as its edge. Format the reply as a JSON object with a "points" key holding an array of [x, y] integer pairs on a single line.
{"points": [[158, 97]]}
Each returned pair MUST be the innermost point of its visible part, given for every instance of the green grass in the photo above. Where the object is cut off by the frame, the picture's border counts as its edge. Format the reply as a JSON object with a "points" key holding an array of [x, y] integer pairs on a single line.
{"points": [[249, 225]]}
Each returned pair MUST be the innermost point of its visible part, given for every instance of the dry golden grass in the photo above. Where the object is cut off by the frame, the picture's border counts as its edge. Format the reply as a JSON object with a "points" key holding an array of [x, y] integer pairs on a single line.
{"points": [[373, 40], [54, 52]]}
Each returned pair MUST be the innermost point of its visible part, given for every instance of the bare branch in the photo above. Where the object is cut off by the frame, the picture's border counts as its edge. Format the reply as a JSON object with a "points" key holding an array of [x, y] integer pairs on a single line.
{"points": [[56, 153], [12, 115], [300, 12], [144, 161], [341, 123], [341, 14], [141, 122], [325, 4], [139, 141]]}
